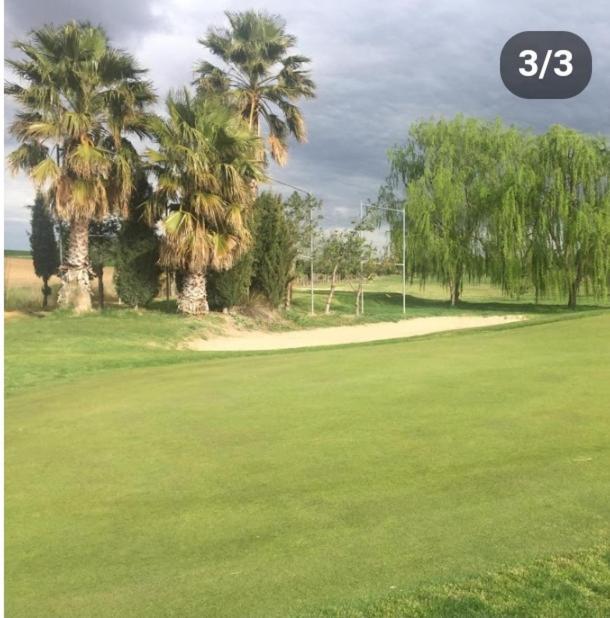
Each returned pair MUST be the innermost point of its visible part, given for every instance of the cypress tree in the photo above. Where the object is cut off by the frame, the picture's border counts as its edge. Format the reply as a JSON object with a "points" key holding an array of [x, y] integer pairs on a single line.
{"points": [[274, 249], [44, 246]]}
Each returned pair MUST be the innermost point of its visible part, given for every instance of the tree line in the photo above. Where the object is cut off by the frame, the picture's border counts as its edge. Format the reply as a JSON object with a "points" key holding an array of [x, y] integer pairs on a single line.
{"points": [[83, 104], [483, 199]]}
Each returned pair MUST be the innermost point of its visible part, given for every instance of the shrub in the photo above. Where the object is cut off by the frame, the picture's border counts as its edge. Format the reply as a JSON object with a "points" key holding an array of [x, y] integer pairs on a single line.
{"points": [[136, 275], [229, 288]]}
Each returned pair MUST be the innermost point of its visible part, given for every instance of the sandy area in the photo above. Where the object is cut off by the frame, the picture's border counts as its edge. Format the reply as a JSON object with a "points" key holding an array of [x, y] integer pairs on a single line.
{"points": [[336, 335]]}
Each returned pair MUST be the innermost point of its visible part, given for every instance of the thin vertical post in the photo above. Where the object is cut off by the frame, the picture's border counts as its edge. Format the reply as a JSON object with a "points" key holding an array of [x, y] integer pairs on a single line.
{"points": [[361, 272], [313, 310], [404, 262]]}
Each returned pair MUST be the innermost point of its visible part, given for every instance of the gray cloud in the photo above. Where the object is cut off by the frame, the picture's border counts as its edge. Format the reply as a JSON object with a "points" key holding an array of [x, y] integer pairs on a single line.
{"points": [[378, 68], [119, 17]]}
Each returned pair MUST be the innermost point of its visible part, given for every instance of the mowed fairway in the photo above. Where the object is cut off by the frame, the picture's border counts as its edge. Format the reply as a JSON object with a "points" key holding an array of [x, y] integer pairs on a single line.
{"points": [[277, 484]]}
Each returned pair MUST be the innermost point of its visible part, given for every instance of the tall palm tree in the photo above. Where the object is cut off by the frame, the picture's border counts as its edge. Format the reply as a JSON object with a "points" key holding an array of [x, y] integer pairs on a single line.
{"points": [[204, 165], [260, 75], [78, 98]]}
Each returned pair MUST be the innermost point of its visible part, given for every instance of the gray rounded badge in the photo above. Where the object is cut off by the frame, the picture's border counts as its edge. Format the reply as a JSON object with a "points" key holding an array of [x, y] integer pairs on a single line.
{"points": [[546, 64]]}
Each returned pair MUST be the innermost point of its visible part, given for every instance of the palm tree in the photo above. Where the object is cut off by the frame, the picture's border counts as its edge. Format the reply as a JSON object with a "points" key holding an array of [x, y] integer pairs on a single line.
{"points": [[261, 77], [205, 162], [78, 97]]}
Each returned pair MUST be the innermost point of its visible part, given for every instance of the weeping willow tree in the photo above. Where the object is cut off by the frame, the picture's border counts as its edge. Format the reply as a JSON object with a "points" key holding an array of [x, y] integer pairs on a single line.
{"points": [[574, 213], [449, 170], [485, 199], [514, 256]]}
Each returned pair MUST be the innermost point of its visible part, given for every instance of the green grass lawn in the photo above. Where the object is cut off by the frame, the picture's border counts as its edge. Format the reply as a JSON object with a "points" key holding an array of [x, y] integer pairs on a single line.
{"points": [[383, 302], [576, 584], [321, 482]]}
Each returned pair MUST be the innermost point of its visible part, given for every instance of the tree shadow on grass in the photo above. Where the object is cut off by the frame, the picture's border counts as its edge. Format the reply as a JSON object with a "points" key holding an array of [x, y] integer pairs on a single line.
{"points": [[392, 301], [164, 306]]}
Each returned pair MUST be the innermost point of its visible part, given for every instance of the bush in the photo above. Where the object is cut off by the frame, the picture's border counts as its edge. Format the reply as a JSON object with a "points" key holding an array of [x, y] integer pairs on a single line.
{"points": [[136, 275], [229, 288]]}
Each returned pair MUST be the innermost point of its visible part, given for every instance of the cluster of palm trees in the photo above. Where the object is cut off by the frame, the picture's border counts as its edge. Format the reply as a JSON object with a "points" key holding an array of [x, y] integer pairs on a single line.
{"points": [[82, 103]]}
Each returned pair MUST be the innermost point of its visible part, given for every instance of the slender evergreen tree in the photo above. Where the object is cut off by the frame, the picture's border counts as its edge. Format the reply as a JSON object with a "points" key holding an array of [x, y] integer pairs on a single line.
{"points": [[274, 249], [45, 254]]}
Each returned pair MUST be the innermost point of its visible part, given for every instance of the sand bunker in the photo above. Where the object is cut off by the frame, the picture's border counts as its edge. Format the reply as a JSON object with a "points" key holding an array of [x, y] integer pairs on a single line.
{"points": [[337, 335]]}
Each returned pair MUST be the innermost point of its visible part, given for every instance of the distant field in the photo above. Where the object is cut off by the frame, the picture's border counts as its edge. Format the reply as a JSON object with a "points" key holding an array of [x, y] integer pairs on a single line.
{"points": [[17, 253], [22, 289], [142, 480]]}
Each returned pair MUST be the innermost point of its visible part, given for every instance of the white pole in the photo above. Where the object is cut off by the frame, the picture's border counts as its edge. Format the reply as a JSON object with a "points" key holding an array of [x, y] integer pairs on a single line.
{"points": [[313, 311], [361, 273], [404, 262]]}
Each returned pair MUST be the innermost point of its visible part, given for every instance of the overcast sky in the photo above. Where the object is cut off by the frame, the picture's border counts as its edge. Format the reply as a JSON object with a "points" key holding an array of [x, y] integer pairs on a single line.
{"points": [[378, 67]]}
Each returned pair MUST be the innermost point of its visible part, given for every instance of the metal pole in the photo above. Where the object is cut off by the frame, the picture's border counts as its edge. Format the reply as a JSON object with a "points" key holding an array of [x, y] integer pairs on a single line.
{"points": [[361, 273], [404, 262], [313, 310]]}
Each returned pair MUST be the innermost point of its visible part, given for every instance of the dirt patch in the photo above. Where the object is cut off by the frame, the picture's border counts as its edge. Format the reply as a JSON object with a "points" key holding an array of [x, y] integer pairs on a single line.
{"points": [[12, 315], [337, 335]]}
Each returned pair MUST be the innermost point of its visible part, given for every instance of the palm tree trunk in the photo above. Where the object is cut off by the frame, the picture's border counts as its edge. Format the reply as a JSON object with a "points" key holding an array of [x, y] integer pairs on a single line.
{"points": [[193, 298], [75, 292]]}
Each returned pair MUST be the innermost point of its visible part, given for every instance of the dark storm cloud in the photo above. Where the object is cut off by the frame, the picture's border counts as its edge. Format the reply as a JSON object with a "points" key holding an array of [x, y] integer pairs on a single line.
{"points": [[378, 69], [121, 18], [432, 59]]}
